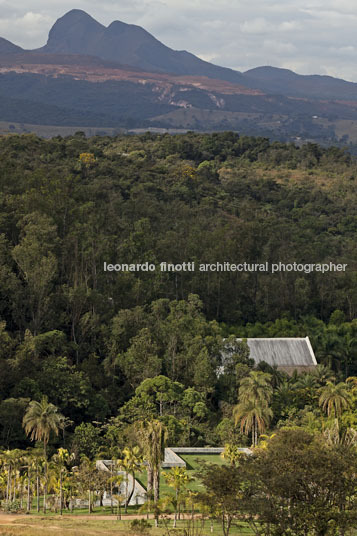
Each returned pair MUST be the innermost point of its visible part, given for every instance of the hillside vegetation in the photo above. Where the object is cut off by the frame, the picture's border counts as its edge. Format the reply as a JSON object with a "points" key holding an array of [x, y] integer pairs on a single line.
{"points": [[89, 339]]}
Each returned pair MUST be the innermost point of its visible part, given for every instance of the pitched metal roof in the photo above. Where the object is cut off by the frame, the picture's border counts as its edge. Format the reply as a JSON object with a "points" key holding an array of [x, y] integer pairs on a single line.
{"points": [[282, 352]]}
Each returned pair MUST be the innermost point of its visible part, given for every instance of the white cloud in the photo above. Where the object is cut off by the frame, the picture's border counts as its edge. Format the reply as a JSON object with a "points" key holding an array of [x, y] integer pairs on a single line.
{"points": [[26, 29], [255, 26], [212, 58], [289, 26], [279, 47]]}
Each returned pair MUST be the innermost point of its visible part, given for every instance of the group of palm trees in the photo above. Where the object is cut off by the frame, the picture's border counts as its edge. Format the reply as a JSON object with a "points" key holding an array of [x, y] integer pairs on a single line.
{"points": [[25, 474], [253, 411], [31, 472]]}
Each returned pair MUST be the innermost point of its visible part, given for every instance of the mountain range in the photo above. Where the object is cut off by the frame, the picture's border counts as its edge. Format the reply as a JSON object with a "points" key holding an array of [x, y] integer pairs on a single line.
{"points": [[88, 74]]}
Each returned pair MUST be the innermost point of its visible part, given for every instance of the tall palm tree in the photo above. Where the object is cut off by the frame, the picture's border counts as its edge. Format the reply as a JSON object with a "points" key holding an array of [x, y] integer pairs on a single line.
{"points": [[178, 479], [38, 464], [252, 411], [40, 419], [87, 478], [6, 463], [113, 452], [12, 461], [256, 386], [28, 460], [123, 464], [335, 398], [131, 461], [153, 436], [61, 460], [254, 417]]}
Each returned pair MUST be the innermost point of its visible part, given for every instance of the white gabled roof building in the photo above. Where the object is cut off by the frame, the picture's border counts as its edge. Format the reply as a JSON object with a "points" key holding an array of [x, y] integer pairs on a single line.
{"points": [[286, 353]]}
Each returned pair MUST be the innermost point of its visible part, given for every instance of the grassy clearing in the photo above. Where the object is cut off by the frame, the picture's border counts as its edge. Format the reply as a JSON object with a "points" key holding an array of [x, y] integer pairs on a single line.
{"points": [[195, 461], [48, 526], [191, 117], [193, 464], [48, 131]]}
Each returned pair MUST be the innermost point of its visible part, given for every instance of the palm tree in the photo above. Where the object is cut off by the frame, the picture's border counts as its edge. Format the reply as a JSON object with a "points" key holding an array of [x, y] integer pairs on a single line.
{"points": [[277, 376], [40, 419], [305, 388], [265, 440], [113, 453], [123, 464], [256, 386], [352, 381], [284, 394], [6, 462], [323, 374], [12, 460], [38, 464], [153, 436], [131, 461], [254, 417], [86, 477], [170, 501], [61, 460], [28, 459], [72, 485], [334, 399], [118, 497], [252, 411], [306, 381], [178, 479]]}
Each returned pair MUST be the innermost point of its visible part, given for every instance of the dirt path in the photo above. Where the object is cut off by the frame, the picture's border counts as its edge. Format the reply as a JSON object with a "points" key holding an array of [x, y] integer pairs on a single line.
{"points": [[11, 519], [127, 517], [8, 519]]}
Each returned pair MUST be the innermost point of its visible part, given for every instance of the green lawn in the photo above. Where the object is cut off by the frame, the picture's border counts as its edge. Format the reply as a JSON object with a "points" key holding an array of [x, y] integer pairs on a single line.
{"points": [[193, 464], [195, 461]]}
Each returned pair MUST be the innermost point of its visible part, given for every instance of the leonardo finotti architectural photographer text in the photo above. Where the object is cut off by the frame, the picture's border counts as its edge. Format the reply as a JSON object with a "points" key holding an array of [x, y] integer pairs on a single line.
{"points": [[227, 267]]}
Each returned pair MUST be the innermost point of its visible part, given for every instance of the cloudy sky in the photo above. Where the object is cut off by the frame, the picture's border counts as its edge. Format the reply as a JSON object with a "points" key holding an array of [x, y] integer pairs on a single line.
{"points": [[307, 36]]}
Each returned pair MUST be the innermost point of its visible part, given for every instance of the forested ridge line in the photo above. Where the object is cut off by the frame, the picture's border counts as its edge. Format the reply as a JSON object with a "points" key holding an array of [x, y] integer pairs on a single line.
{"points": [[87, 338]]}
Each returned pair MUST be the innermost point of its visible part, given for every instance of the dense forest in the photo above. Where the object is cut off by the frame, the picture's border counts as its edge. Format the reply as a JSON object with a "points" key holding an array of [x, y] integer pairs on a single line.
{"points": [[111, 348]]}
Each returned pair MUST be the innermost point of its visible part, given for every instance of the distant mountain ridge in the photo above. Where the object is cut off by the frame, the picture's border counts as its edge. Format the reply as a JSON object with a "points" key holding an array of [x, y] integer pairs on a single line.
{"points": [[122, 77], [6, 47], [77, 33], [285, 81]]}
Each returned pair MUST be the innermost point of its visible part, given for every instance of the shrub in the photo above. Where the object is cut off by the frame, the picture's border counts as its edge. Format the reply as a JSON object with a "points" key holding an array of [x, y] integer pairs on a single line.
{"points": [[140, 526]]}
